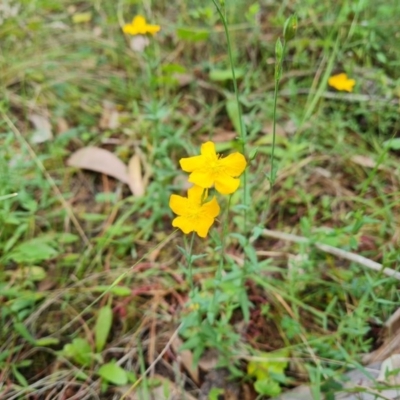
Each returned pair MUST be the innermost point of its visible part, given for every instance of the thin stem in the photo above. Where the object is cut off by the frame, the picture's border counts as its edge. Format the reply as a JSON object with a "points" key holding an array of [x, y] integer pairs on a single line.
{"points": [[235, 88], [272, 176], [190, 264], [220, 268]]}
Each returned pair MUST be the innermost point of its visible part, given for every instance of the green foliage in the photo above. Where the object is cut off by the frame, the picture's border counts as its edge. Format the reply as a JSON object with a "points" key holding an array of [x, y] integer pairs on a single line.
{"points": [[79, 351], [269, 372], [333, 175], [103, 327], [113, 373]]}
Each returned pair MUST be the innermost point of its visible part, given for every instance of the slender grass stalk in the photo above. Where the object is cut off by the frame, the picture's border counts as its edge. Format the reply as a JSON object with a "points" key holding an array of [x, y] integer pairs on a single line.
{"points": [[220, 268], [243, 140], [189, 259], [242, 133], [272, 176]]}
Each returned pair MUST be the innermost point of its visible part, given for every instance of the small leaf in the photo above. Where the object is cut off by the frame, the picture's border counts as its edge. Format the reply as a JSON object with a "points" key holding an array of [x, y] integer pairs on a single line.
{"points": [[42, 126], [20, 378], [80, 18], [33, 251], [99, 160], [392, 144], [136, 183], [233, 113], [79, 350], [34, 274], [103, 326], [219, 75], [47, 341], [23, 331], [113, 373], [121, 291], [215, 393], [192, 35], [267, 387]]}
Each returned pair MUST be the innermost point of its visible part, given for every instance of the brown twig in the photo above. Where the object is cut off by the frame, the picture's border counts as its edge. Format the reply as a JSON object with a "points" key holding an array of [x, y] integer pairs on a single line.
{"points": [[365, 262]]}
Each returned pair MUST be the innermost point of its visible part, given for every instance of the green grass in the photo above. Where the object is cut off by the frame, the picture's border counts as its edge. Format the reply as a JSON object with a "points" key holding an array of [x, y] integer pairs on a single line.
{"points": [[75, 244]]}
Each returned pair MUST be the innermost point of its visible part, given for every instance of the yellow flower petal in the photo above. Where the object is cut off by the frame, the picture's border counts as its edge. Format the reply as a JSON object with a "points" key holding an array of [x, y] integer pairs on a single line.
{"points": [[203, 225], [152, 29], [178, 204], [139, 26], [202, 178], [341, 82], [183, 223], [196, 195], [211, 208], [194, 215], [226, 184], [189, 164], [139, 21], [208, 151], [234, 164]]}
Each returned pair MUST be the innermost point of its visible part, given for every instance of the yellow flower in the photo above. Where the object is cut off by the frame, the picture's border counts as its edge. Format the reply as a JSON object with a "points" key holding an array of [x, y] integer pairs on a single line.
{"points": [[341, 82], [139, 26], [210, 169], [194, 214]]}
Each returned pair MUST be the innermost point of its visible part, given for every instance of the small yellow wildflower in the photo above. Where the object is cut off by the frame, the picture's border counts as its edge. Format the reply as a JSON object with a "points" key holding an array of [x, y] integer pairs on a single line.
{"points": [[210, 169], [194, 214], [341, 82], [139, 26]]}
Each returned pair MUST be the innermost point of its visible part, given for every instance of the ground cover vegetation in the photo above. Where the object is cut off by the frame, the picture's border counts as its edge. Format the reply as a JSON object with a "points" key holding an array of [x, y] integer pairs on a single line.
{"points": [[118, 280]]}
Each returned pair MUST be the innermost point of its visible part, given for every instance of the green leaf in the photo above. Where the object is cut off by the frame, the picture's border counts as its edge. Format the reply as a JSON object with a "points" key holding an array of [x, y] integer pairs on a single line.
{"points": [[33, 251], [19, 377], [221, 75], [47, 341], [192, 34], [268, 370], [267, 387], [392, 144], [67, 238], [23, 331], [233, 112], [79, 350], [113, 373], [122, 291], [33, 273], [103, 326], [214, 393]]}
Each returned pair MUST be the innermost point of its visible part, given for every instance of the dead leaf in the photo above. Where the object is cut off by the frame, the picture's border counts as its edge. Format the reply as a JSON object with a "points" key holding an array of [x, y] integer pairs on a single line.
{"points": [[391, 342], [139, 43], [186, 358], [183, 79], [221, 135], [389, 370], [208, 360], [62, 125], [136, 183], [99, 160], [110, 116], [42, 127], [393, 323], [365, 161], [269, 127]]}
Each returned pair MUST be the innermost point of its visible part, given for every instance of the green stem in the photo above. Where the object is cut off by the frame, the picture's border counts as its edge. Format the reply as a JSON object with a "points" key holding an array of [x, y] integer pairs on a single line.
{"points": [[235, 88], [220, 268], [272, 176], [190, 264]]}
